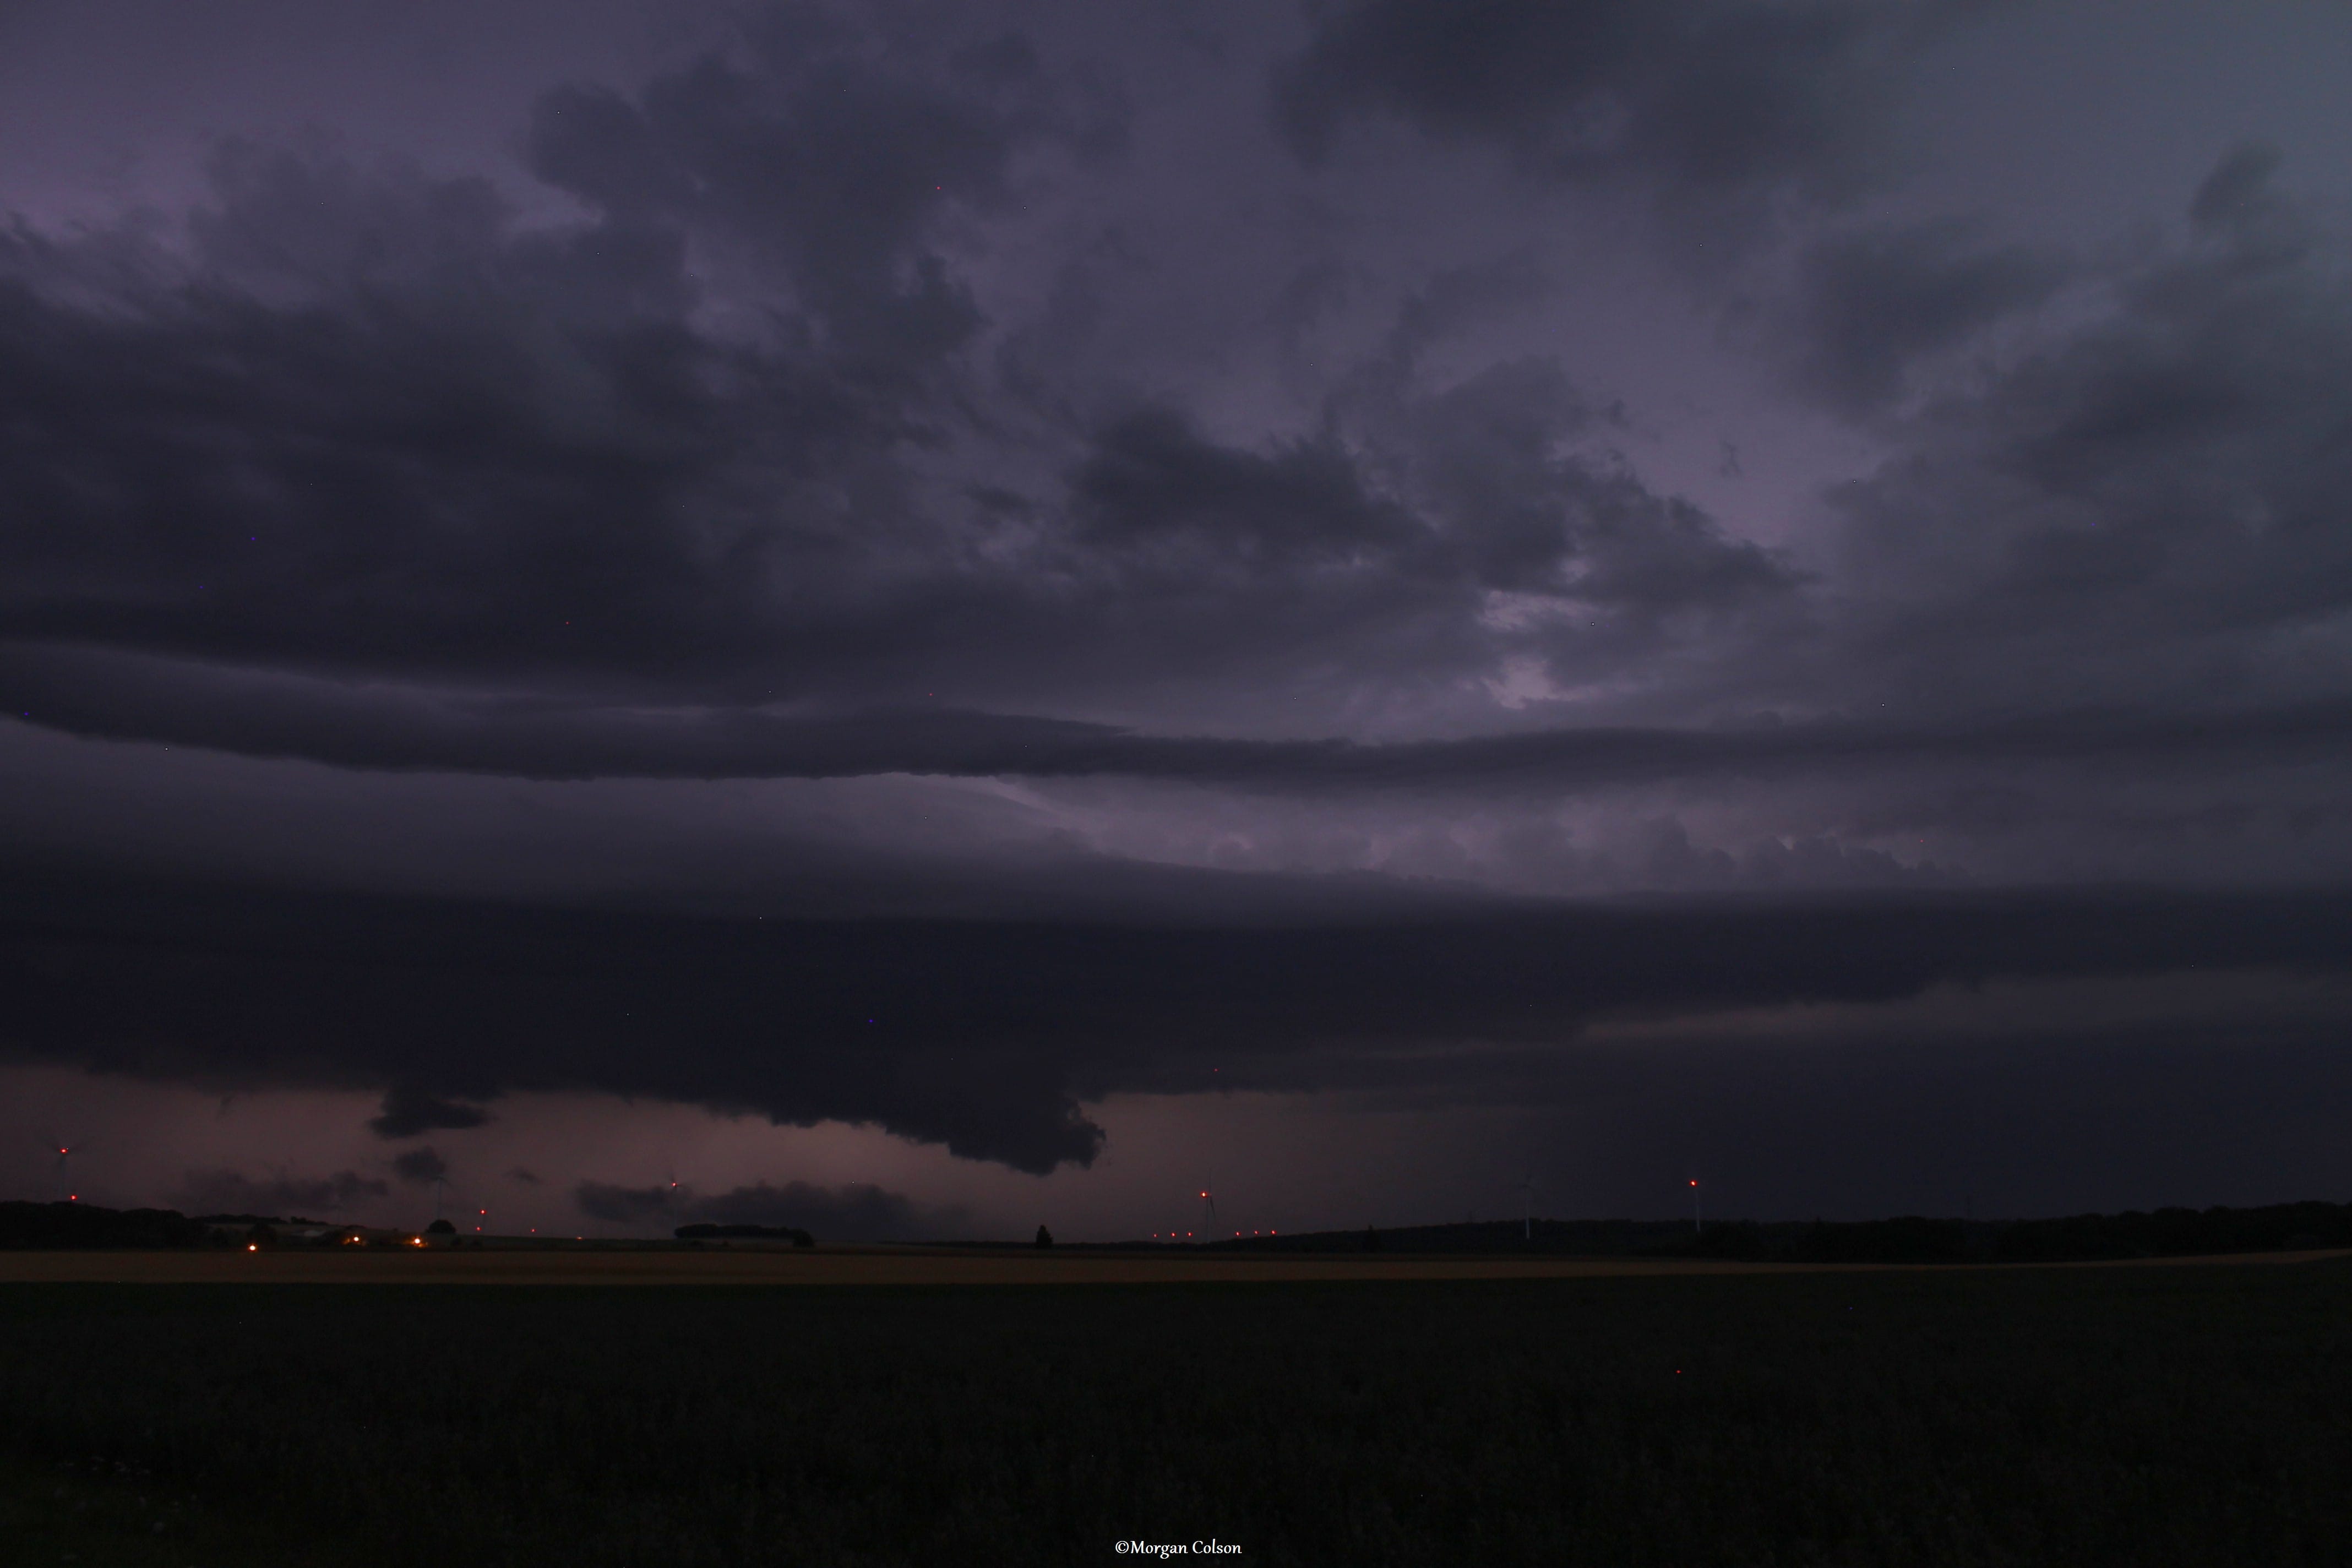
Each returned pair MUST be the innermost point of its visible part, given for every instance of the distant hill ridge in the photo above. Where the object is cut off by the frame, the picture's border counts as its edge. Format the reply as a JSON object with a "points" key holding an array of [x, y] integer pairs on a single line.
{"points": [[1910, 1239], [793, 1233], [2162, 1233]]}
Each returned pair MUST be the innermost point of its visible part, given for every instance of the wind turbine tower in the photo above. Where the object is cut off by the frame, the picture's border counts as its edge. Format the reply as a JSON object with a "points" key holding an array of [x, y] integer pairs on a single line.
{"points": [[1209, 1209], [1527, 1206], [65, 1184]]}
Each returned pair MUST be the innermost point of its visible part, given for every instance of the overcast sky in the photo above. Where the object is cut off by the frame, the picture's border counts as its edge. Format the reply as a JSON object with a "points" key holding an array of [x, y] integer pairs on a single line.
{"points": [[919, 618]]}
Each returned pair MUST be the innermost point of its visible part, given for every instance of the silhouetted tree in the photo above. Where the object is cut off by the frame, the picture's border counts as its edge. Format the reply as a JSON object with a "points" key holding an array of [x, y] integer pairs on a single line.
{"points": [[440, 1227], [1045, 1236]]}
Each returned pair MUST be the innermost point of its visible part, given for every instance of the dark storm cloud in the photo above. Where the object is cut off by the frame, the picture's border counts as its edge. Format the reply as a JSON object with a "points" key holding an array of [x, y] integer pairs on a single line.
{"points": [[986, 1036], [858, 1211], [234, 1192], [374, 430], [368, 422], [1521, 502], [1872, 301], [379, 477], [1152, 484], [420, 1165], [830, 160], [409, 1111], [836, 404], [375, 727], [446, 451], [2151, 503], [1719, 102], [468, 467]]}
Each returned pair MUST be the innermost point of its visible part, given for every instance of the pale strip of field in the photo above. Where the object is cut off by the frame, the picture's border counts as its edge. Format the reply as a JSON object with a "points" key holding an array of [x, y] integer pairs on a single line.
{"points": [[827, 1266]]}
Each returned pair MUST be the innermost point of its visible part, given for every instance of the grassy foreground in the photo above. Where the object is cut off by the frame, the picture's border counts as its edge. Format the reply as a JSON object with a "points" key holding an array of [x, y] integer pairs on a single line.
{"points": [[2190, 1415]]}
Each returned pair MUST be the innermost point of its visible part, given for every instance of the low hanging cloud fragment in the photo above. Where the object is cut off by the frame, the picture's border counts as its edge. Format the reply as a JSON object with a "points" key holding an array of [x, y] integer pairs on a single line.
{"points": [[409, 1111]]}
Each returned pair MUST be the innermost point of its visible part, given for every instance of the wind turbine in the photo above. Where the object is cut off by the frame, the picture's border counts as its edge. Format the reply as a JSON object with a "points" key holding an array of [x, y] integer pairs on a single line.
{"points": [[440, 1189], [1209, 1207], [65, 1191], [1528, 1206]]}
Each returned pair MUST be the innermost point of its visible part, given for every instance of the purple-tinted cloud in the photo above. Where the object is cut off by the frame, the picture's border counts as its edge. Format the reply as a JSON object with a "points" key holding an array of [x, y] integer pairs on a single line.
{"points": [[930, 572]]}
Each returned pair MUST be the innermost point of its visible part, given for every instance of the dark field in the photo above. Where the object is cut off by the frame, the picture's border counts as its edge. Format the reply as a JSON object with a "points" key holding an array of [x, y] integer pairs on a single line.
{"points": [[2190, 1415]]}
